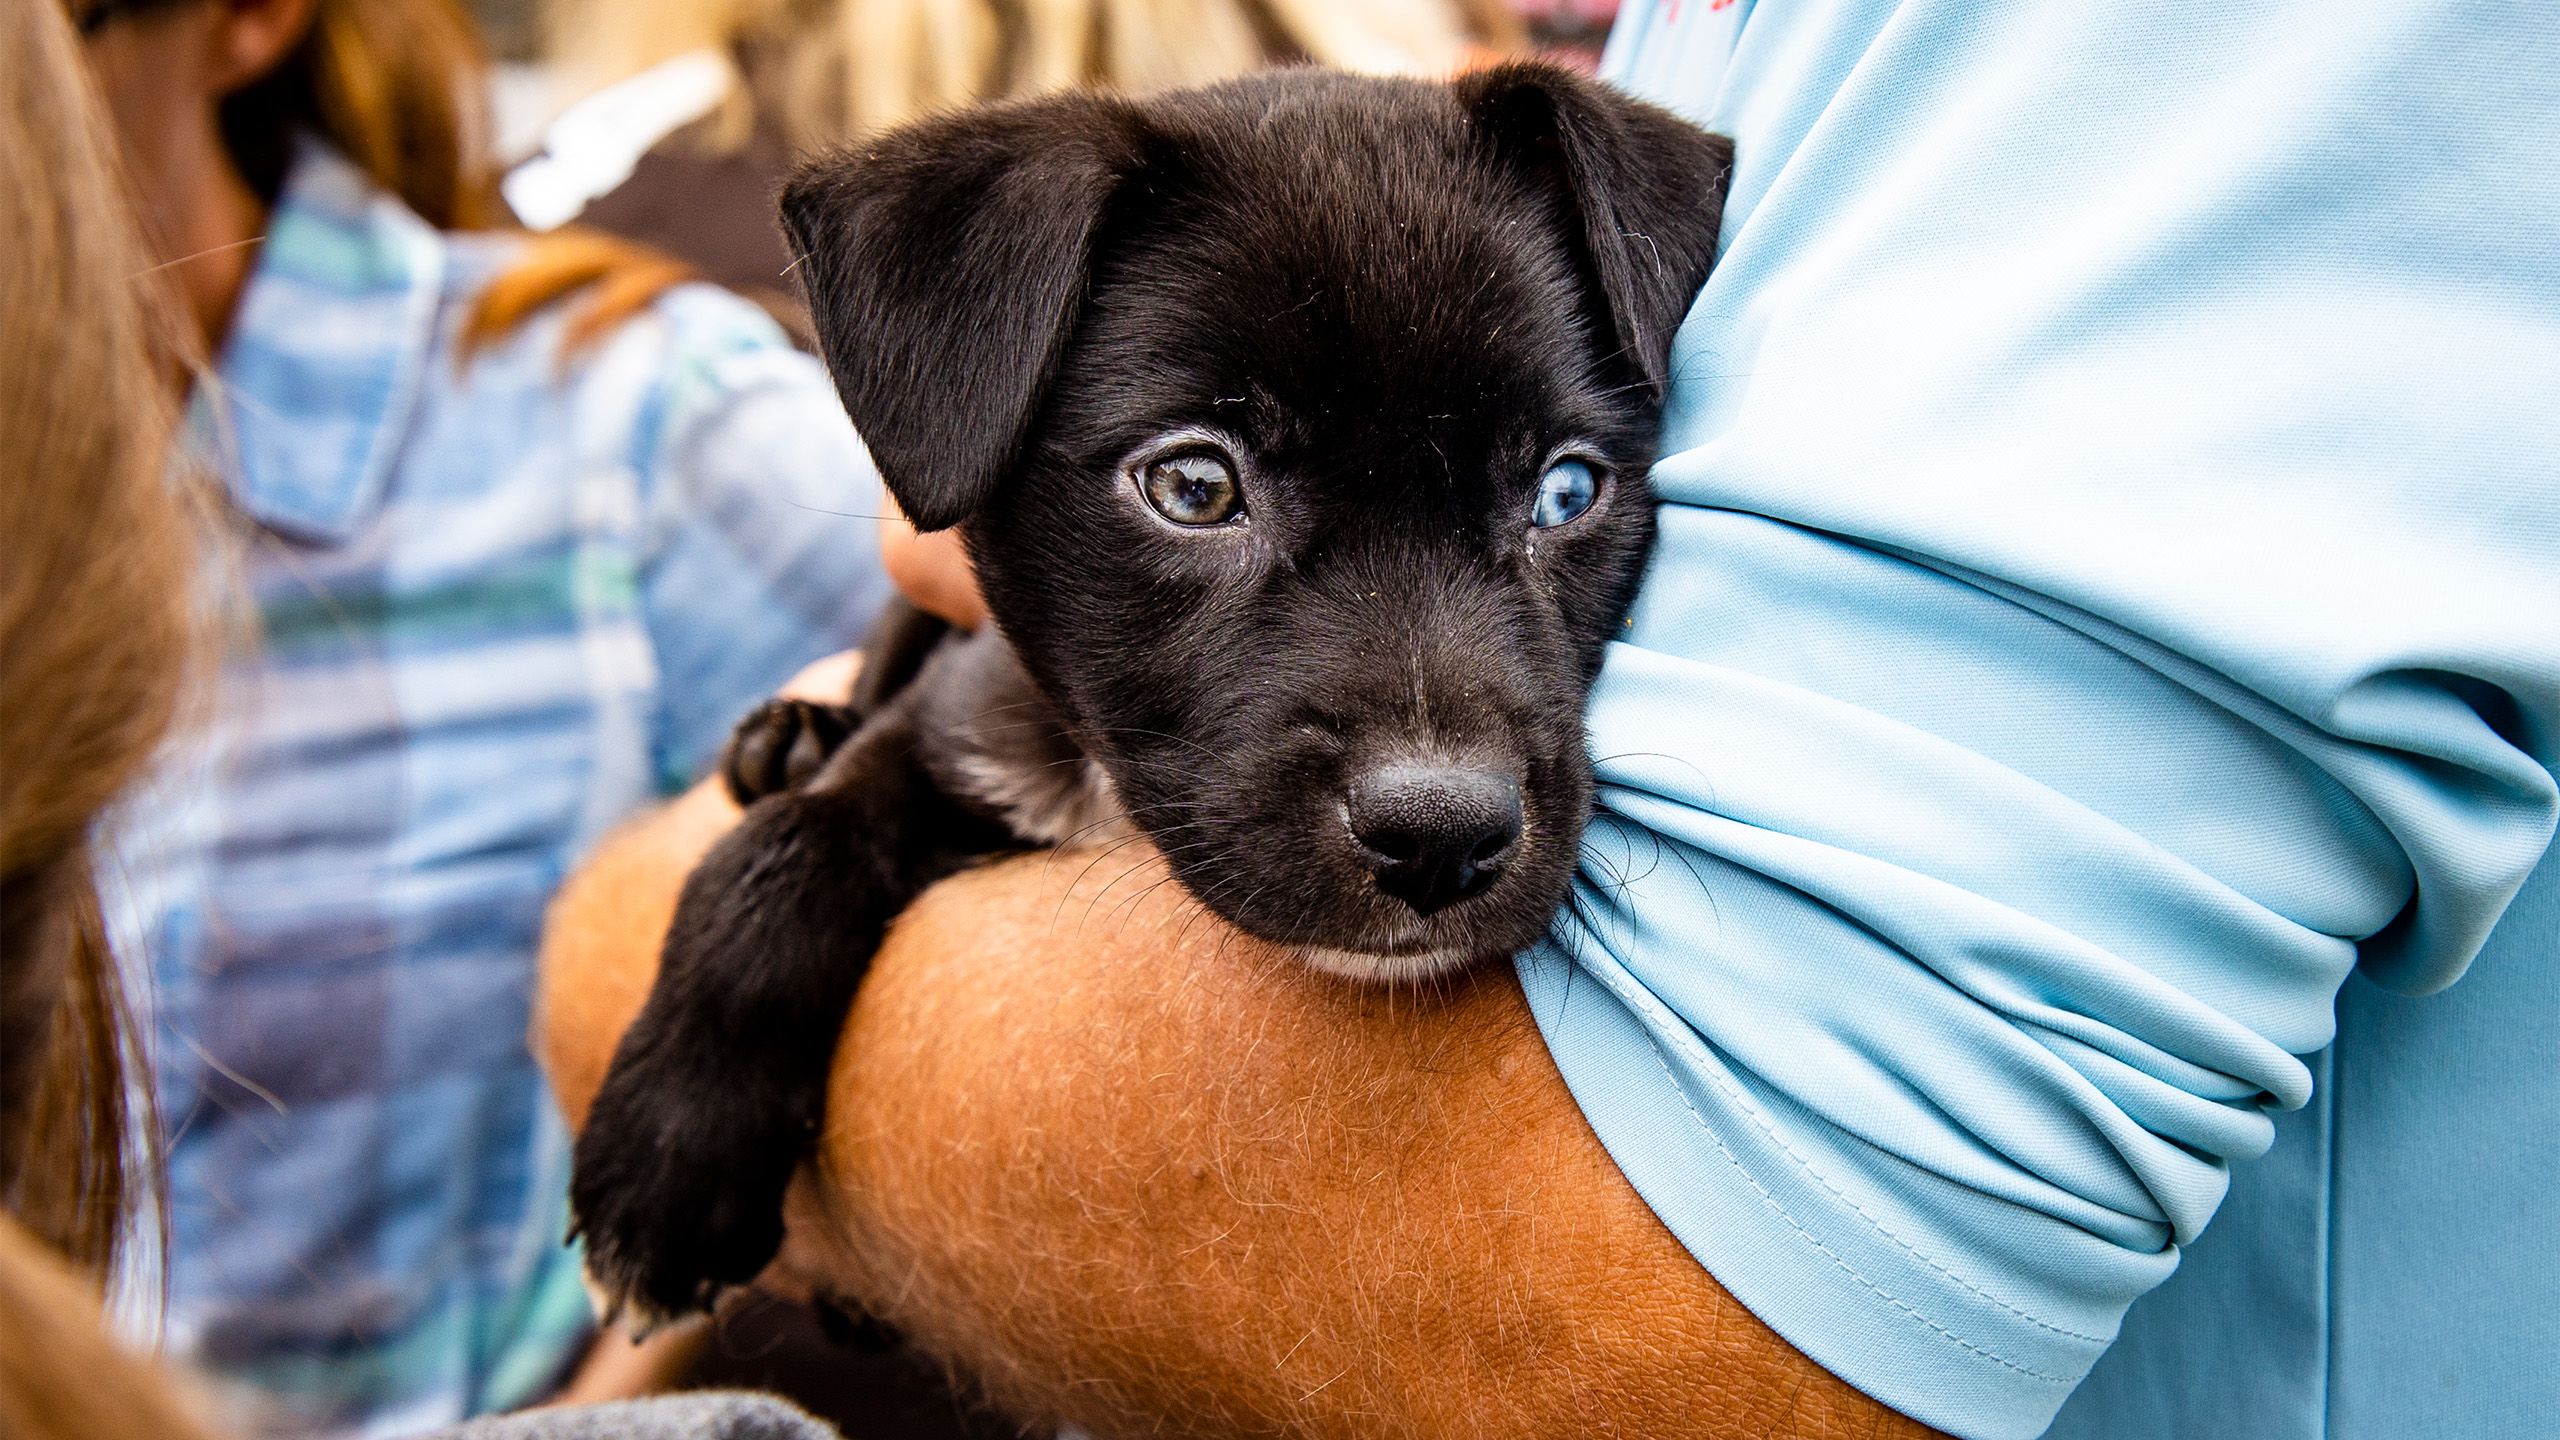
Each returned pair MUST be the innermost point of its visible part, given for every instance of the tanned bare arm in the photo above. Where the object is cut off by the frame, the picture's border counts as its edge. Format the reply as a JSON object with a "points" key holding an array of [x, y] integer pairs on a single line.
{"points": [[1135, 1171]]}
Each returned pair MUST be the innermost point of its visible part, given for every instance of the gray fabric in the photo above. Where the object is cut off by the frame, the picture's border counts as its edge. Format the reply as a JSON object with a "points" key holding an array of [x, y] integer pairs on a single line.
{"points": [[714, 1415]]}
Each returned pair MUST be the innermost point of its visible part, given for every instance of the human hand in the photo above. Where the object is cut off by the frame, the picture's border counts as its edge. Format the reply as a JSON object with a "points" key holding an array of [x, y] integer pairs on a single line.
{"points": [[823, 682]]}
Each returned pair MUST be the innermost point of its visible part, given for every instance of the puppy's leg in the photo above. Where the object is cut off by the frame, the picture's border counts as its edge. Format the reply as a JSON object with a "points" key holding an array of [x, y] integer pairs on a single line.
{"points": [[783, 743], [902, 640], [714, 1094]]}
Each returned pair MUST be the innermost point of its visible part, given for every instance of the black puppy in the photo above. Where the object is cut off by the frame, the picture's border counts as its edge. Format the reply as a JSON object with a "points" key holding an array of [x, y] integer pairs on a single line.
{"points": [[1299, 426]]}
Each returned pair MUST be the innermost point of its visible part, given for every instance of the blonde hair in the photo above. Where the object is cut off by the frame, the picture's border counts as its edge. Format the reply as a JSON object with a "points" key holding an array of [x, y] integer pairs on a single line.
{"points": [[61, 1377], [94, 633], [817, 72], [95, 624]]}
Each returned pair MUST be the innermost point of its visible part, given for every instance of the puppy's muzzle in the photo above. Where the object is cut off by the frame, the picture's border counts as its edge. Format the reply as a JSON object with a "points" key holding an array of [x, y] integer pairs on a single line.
{"points": [[1433, 835]]}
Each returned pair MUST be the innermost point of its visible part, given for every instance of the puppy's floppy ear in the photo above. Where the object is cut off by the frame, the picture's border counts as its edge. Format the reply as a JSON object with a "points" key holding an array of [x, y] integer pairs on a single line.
{"points": [[1646, 188], [944, 264]]}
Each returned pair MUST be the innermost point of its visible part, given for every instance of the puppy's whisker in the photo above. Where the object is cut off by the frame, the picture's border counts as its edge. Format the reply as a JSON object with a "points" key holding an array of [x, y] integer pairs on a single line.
{"points": [[1692, 766], [1129, 906], [1073, 885], [1169, 877], [839, 514], [1101, 730], [1134, 867], [1705, 891], [1206, 905], [1227, 933]]}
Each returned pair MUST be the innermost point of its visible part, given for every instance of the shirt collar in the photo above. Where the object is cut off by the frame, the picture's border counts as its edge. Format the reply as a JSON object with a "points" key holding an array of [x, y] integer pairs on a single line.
{"points": [[327, 353]]}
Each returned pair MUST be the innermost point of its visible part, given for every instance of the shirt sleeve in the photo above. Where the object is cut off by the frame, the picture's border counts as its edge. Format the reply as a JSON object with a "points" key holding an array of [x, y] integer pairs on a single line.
{"points": [[2110, 553], [761, 548]]}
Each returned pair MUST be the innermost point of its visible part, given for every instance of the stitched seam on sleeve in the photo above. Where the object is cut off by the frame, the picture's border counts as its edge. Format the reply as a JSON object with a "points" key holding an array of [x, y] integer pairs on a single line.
{"points": [[1806, 1165], [1780, 1210]]}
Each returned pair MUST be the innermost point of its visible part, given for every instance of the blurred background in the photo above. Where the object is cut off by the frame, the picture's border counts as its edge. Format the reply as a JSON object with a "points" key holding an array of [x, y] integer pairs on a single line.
{"points": [[669, 122]]}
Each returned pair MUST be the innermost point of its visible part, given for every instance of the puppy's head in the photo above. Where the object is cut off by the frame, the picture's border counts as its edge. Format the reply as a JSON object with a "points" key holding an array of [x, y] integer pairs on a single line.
{"points": [[1298, 427]]}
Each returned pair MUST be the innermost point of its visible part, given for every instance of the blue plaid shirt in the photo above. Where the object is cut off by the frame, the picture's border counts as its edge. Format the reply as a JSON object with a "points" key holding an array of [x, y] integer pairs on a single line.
{"points": [[501, 602]]}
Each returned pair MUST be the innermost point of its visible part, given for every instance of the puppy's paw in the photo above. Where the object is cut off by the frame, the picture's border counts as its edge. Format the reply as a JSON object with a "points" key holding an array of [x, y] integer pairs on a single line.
{"points": [[780, 745], [678, 1186], [616, 1310]]}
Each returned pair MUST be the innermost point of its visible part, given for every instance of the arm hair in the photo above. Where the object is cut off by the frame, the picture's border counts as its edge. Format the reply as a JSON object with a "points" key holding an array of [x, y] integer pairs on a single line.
{"points": [[1130, 1169]]}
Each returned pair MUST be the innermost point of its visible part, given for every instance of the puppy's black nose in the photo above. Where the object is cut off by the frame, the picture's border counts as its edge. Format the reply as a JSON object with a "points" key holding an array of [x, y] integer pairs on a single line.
{"points": [[1434, 835]]}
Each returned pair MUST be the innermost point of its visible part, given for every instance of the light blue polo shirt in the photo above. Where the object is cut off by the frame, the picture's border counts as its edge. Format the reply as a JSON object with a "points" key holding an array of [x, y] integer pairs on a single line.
{"points": [[2104, 649]]}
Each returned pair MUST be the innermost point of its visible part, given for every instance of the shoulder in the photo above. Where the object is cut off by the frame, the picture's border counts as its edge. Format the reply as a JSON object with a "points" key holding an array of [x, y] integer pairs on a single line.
{"points": [[691, 353], [690, 316]]}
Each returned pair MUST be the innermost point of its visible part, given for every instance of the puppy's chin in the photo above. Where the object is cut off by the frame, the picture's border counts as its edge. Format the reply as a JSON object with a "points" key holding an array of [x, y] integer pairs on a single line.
{"points": [[1344, 926], [1385, 969]]}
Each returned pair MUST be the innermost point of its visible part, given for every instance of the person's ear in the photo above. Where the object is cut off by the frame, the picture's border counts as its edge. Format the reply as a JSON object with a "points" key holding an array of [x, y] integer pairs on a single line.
{"points": [[945, 264], [1644, 191], [248, 39]]}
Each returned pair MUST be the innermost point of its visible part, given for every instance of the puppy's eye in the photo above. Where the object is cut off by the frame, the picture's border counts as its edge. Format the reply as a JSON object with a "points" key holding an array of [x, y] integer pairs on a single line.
{"points": [[1195, 488], [1565, 492]]}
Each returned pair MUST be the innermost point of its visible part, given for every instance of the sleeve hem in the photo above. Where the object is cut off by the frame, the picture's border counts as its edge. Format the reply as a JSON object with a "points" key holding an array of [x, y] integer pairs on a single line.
{"points": [[1794, 1252]]}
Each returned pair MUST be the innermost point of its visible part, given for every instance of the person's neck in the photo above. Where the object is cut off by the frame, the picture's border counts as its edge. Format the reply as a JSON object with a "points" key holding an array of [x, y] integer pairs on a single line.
{"points": [[207, 236]]}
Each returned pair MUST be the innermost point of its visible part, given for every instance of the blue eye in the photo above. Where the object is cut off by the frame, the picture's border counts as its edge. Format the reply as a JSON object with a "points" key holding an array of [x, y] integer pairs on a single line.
{"points": [[1568, 489]]}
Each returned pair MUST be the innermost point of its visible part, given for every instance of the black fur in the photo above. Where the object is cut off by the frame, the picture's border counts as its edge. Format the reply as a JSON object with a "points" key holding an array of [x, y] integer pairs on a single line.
{"points": [[1395, 303]]}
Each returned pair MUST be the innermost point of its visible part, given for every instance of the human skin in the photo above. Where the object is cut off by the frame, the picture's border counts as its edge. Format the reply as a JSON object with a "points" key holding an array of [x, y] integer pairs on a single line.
{"points": [[162, 73], [1133, 1170], [932, 570]]}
